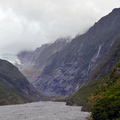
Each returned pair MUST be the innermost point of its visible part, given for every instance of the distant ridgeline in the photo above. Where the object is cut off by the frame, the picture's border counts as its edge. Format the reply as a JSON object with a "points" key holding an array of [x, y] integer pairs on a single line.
{"points": [[14, 87]]}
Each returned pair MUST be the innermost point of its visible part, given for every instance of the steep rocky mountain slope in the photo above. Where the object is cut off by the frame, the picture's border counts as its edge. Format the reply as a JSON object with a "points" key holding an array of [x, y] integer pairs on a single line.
{"points": [[33, 62], [98, 76], [67, 69], [14, 87]]}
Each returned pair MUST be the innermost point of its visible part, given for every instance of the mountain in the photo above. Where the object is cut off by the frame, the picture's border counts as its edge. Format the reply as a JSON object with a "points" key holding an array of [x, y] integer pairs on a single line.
{"points": [[14, 87], [33, 62], [98, 76], [66, 70]]}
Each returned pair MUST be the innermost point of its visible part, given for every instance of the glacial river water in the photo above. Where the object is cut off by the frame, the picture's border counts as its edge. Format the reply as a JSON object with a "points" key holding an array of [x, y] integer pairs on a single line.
{"points": [[42, 111]]}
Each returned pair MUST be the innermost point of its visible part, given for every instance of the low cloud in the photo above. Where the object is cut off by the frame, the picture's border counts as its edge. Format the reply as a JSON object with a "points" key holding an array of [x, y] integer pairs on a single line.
{"points": [[26, 24]]}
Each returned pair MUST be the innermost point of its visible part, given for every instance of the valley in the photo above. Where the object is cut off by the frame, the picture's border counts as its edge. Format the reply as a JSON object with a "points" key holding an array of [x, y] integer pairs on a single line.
{"points": [[82, 71]]}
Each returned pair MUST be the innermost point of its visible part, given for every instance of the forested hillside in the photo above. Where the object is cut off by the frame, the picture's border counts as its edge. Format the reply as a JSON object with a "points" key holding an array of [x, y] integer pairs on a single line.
{"points": [[14, 87]]}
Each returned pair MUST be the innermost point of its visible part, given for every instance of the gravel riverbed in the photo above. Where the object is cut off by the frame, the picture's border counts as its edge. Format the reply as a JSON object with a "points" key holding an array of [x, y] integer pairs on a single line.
{"points": [[42, 111]]}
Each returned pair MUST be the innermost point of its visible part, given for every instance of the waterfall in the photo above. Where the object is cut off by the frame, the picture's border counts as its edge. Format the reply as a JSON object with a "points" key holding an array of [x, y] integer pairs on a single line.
{"points": [[94, 59], [98, 52]]}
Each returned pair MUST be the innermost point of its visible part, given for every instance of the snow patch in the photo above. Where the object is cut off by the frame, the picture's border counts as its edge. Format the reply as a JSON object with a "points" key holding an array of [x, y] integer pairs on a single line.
{"points": [[11, 58]]}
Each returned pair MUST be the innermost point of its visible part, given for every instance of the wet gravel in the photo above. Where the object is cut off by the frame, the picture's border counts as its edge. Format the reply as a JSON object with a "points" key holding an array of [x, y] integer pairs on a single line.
{"points": [[42, 111]]}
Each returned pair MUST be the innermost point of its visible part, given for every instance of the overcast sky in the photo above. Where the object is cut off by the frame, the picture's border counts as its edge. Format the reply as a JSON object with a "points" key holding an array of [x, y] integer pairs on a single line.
{"points": [[26, 24]]}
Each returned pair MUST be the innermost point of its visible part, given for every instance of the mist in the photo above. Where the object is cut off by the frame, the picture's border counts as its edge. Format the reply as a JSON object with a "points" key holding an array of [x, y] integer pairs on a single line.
{"points": [[27, 24]]}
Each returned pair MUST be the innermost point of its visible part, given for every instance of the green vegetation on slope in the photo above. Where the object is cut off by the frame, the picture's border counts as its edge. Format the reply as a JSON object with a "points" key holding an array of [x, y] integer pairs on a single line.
{"points": [[8, 95], [80, 97], [10, 82], [105, 102], [14, 87]]}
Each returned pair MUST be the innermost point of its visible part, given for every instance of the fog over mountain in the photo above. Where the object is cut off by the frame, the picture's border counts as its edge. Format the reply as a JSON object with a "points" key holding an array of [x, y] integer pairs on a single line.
{"points": [[28, 24], [65, 70]]}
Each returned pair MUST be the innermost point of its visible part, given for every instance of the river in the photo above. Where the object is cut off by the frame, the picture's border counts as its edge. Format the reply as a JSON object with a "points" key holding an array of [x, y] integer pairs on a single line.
{"points": [[42, 111]]}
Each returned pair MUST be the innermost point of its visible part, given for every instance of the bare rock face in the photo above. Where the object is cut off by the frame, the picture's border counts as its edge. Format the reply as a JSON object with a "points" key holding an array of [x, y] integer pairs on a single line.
{"points": [[62, 72], [33, 62]]}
